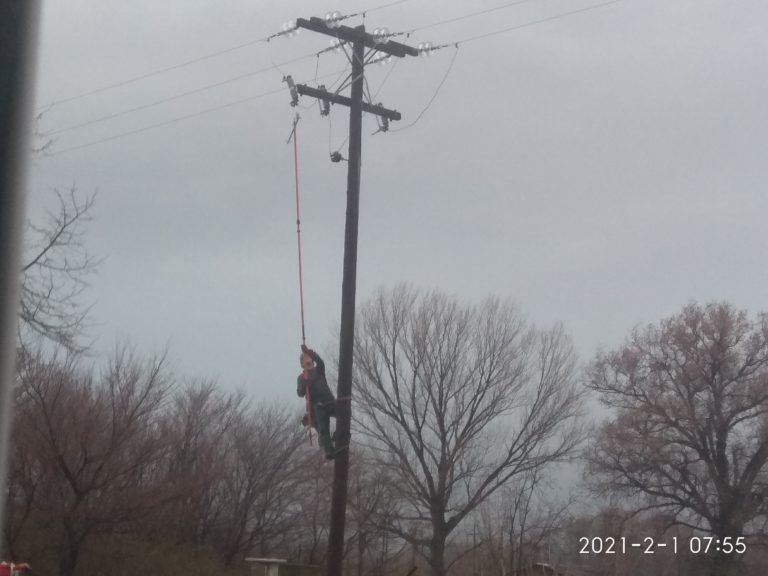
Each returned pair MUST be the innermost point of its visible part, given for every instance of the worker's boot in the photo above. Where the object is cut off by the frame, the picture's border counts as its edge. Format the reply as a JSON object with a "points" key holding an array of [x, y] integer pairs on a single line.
{"points": [[327, 445]]}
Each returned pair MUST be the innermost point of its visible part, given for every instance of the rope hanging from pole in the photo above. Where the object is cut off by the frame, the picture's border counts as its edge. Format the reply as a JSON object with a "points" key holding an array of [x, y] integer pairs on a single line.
{"points": [[294, 137]]}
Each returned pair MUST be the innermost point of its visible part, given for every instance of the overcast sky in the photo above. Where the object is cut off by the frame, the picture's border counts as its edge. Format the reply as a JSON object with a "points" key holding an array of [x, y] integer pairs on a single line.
{"points": [[601, 169]]}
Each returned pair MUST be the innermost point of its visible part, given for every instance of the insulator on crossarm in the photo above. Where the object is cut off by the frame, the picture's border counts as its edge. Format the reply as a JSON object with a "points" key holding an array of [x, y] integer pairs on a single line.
{"points": [[290, 28], [425, 48], [336, 44], [381, 35], [325, 105], [333, 19], [292, 88]]}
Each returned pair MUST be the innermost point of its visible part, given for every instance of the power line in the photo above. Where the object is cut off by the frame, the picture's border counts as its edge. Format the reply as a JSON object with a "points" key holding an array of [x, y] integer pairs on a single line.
{"points": [[202, 58], [172, 120], [381, 7], [464, 17], [157, 72], [434, 96], [386, 77], [273, 66], [206, 87], [342, 72], [531, 23], [494, 33], [167, 122]]}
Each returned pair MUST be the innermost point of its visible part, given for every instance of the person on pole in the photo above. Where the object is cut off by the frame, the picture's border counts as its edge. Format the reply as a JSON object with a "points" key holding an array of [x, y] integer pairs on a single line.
{"points": [[311, 383]]}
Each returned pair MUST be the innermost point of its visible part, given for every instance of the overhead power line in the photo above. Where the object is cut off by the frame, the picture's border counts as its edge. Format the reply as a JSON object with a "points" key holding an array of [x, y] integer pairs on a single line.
{"points": [[463, 17], [495, 33], [434, 96], [165, 123], [191, 61], [376, 8], [532, 23], [157, 72], [176, 96], [174, 120], [274, 65], [314, 54]]}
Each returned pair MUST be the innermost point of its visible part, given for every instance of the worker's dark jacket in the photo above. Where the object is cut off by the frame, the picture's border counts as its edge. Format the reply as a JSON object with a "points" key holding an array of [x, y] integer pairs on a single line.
{"points": [[319, 392]]}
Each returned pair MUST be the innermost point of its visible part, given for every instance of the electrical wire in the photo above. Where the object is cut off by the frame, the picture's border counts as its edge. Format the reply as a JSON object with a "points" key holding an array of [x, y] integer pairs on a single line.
{"points": [[531, 23], [274, 65], [367, 90], [317, 67], [389, 73], [191, 61], [170, 121], [434, 96], [171, 98], [488, 35], [338, 149], [342, 73], [461, 18], [165, 123], [157, 72], [381, 7]]}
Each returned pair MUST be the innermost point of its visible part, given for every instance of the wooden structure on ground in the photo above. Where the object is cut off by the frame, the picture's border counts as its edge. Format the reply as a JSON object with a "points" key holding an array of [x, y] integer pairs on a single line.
{"points": [[542, 569], [279, 567]]}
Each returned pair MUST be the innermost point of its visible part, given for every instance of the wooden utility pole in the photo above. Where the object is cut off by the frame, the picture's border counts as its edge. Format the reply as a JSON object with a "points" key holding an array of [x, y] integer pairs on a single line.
{"points": [[359, 40]]}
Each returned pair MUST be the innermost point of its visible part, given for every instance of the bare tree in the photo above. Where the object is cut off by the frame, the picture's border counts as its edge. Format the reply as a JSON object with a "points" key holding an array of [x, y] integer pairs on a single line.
{"points": [[369, 545], [199, 425], [90, 447], [55, 274], [262, 478], [457, 401], [23, 491], [689, 433], [313, 508], [519, 521]]}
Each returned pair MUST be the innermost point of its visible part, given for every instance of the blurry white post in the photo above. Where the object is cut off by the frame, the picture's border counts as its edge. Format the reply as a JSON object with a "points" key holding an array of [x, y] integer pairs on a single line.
{"points": [[18, 43]]}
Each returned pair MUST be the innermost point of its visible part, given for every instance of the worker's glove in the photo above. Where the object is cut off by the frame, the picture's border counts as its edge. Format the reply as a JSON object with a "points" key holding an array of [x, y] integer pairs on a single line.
{"points": [[305, 349], [305, 420]]}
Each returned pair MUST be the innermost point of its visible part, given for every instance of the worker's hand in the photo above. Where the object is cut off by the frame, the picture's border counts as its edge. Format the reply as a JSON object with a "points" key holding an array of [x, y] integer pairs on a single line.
{"points": [[305, 420], [304, 349]]}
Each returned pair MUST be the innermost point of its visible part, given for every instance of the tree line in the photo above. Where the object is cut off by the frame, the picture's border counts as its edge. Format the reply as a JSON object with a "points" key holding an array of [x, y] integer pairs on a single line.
{"points": [[474, 449]]}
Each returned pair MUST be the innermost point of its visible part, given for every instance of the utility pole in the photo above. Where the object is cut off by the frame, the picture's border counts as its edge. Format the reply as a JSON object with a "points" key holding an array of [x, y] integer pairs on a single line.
{"points": [[359, 40]]}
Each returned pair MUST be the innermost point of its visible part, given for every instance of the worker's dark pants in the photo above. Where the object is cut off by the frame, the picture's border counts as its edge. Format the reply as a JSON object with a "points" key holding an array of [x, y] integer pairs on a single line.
{"points": [[321, 421]]}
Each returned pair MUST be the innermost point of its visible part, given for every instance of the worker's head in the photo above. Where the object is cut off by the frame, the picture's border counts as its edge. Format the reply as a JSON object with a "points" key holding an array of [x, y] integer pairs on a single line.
{"points": [[306, 361]]}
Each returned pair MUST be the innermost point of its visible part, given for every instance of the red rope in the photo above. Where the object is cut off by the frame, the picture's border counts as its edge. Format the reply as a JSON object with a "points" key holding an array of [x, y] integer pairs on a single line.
{"points": [[294, 135], [298, 223]]}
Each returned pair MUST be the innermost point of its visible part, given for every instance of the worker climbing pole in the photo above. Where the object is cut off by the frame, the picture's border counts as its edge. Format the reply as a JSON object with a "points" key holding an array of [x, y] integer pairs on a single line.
{"points": [[311, 383]]}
